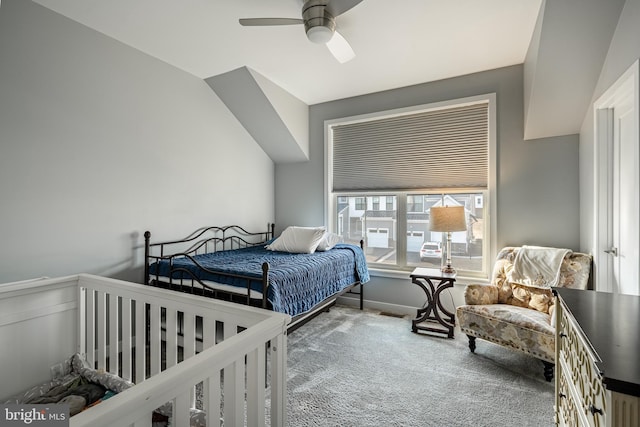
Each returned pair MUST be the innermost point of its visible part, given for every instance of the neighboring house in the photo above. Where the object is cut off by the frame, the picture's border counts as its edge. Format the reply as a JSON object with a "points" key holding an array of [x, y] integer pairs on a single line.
{"points": [[373, 220]]}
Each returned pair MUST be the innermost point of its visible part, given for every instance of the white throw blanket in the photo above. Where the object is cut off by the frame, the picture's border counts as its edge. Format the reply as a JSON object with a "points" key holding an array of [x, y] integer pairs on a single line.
{"points": [[537, 266]]}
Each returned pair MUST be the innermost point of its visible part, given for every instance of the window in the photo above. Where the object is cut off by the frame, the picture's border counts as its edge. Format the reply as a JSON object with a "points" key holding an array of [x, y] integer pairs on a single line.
{"points": [[408, 161], [466, 246], [389, 203], [376, 203], [415, 203]]}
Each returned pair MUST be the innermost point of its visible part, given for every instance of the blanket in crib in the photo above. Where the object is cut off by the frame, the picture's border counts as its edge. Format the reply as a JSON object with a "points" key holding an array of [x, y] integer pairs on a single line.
{"points": [[82, 387]]}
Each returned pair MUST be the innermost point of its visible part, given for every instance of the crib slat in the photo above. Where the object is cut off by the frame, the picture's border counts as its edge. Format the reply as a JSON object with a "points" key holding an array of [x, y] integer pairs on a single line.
{"points": [[211, 404], [101, 321], [180, 411], [82, 320], [230, 395], [238, 374], [141, 365], [114, 326], [208, 332], [171, 337], [231, 373], [126, 339], [189, 343], [255, 387], [90, 345], [229, 329], [155, 332], [278, 381]]}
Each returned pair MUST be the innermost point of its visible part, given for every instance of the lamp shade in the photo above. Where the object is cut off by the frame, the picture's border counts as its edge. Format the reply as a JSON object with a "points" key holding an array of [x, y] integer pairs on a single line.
{"points": [[447, 218]]}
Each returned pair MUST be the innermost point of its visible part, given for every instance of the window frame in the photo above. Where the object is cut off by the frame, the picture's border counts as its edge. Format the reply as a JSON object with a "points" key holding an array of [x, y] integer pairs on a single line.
{"points": [[490, 244]]}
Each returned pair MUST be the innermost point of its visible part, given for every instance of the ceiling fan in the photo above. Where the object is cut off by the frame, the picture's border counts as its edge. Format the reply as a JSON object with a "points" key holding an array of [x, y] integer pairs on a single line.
{"points": [[319, 19]]}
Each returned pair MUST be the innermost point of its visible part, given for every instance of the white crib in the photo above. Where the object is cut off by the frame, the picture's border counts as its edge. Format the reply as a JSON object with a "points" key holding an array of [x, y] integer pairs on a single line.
{"points": [[43, 322]]}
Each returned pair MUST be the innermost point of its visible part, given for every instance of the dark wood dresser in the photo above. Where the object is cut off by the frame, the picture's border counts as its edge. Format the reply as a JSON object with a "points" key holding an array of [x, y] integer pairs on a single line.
{"points": [[597, 359]]}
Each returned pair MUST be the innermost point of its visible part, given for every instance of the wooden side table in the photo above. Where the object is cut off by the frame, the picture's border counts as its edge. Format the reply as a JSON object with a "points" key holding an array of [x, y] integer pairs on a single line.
{"points": [[433, 316]]}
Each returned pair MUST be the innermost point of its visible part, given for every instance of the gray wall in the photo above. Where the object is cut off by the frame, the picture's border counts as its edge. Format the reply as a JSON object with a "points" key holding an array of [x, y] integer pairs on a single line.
{"points": [[537, 190], [623, 52], [100, 142]]}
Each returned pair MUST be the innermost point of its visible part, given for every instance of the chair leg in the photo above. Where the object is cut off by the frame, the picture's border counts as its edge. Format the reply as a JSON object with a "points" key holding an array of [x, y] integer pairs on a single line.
{"points": [[472, 343], [548, 370]]}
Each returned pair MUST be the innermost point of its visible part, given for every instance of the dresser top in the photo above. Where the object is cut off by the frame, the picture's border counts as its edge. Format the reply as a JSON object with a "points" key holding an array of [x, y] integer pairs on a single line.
{"points": [[611, 324]]}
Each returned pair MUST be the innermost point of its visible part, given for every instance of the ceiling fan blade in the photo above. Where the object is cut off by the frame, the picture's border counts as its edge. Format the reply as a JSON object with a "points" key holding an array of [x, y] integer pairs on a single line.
{"points": [[252, 22], [338, 7], [340, 48]]}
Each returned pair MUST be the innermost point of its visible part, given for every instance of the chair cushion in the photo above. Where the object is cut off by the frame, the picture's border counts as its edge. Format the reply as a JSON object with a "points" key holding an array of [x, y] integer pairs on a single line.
{"points": [[520, 328], [531, 297], [477, 293]]}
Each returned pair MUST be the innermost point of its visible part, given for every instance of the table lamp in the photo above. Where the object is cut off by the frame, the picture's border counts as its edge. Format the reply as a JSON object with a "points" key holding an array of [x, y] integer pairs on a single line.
{"points": [[447, 219]]}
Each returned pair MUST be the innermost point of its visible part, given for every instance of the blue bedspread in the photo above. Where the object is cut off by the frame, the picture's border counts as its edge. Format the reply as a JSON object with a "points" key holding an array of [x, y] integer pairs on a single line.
{"points": [[297, 282]]}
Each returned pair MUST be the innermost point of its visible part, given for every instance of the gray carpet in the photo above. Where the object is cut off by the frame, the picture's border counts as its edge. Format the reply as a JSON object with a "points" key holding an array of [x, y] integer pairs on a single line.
{"points": [[359, 368]]}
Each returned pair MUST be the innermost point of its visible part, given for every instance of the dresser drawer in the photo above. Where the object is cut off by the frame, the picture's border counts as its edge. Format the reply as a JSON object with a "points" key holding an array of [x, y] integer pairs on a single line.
{"points": [[579, 377], [567, 412]]}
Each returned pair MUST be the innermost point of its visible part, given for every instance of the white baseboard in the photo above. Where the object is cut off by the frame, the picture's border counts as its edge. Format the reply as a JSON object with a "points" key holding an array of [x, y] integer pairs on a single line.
{"points": [[377, 305]]}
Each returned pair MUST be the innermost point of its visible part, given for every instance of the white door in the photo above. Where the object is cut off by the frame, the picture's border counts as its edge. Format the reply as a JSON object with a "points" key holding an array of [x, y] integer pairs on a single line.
{"points": [[617, 254], [415, 239], [625, 199]]}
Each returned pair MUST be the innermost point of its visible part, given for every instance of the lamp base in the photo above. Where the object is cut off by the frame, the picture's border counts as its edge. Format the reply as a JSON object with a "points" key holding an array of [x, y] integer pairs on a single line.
{"points": [[448, 269]]}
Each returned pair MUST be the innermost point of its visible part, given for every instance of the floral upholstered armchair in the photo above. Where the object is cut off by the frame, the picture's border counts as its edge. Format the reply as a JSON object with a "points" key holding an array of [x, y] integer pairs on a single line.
{"points": [[518, 316]]}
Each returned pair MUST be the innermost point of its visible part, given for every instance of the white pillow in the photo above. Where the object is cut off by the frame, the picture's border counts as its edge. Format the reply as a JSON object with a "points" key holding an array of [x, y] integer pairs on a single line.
{"points": [[329, 240], [298, 240]]}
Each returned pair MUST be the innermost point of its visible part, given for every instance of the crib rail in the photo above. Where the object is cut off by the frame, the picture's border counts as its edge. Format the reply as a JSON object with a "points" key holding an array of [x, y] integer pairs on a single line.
{"points": [[168, 343], [226, 360]]}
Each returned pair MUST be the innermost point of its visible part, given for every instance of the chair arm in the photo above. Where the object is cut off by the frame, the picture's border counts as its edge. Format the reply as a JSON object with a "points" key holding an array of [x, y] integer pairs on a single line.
{"points": [[477, 294]]}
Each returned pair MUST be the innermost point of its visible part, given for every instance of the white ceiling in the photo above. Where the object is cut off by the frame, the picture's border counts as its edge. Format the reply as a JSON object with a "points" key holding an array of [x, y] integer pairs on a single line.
{"points": [[397, 43]]}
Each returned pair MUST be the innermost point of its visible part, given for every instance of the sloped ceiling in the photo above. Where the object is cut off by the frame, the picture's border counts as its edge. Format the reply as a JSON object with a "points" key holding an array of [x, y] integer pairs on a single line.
{"points": [[396, 43], [278, 121], [407, 43], [563, 63]]}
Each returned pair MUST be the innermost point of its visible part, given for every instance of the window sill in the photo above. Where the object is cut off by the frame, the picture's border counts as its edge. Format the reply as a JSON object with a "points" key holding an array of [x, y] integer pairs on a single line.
{"points": [[404, 275]]}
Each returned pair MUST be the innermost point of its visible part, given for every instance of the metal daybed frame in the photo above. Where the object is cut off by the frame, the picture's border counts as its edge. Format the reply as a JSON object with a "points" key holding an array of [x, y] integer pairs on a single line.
{"points": [[214, 239]]}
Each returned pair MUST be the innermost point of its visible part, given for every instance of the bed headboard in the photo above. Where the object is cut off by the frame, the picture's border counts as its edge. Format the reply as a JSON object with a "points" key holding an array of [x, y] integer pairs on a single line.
{"points": [[204, 240]]}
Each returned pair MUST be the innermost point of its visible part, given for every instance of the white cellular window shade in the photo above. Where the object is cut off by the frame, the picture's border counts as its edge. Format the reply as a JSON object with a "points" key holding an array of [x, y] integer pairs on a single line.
{"points": [[441, 148]]}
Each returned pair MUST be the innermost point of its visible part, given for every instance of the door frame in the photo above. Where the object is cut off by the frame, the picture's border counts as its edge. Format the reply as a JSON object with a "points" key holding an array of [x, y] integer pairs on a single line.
{"points": [[627, 85]]}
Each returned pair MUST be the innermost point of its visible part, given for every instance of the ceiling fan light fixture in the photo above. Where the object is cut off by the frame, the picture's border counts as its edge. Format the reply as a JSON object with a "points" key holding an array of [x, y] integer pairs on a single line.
{"points": [[318, 23], [319, 19], [319, 34]]}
